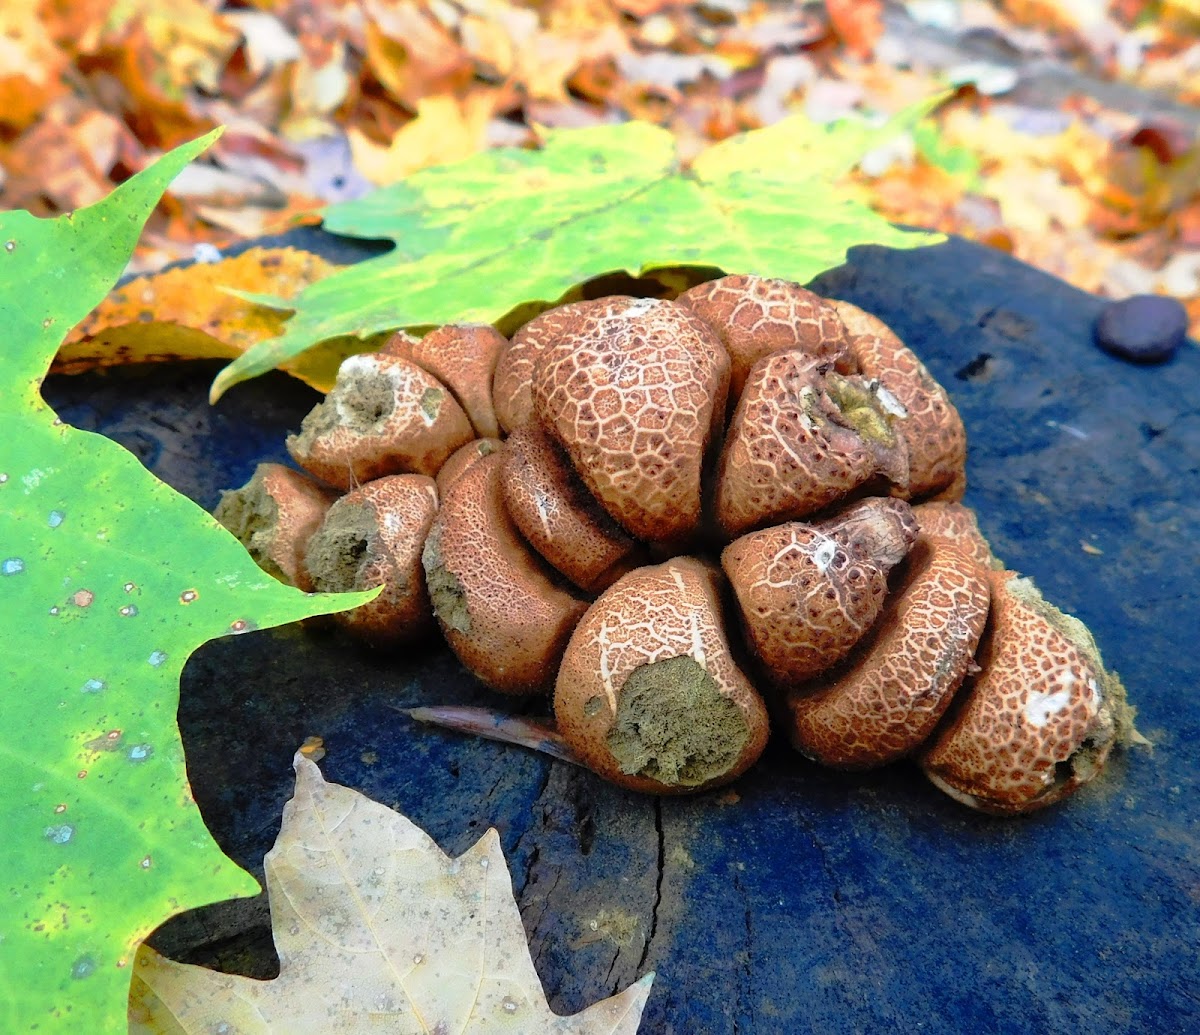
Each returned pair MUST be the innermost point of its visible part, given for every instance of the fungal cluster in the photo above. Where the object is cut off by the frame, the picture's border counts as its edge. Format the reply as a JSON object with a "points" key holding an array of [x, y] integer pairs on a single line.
{"points": [[689, 520]]}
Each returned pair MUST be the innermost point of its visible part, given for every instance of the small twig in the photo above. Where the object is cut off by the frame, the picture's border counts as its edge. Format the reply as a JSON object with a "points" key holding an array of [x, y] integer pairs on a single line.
{"points": [[494, 725]]}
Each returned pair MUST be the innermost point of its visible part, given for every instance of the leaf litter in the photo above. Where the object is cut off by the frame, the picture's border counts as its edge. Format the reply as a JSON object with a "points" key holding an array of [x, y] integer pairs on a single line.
{"points": [[321, 100]]}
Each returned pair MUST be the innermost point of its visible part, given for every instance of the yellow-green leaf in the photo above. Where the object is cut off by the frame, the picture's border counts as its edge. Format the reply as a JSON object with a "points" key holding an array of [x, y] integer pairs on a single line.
{"points": [[510, 227], [109, 579]]}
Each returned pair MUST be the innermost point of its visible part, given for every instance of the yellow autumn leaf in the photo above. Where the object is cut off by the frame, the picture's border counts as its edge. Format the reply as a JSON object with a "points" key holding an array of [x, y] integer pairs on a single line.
{"points": [[377, 929], [187, 313]]}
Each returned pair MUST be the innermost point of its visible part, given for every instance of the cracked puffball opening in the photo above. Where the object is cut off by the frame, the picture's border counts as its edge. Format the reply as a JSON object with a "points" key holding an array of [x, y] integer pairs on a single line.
{"points": [[860, 410], [431, 403], [341, 548], [446, 593], [360, 402], [673, 725], [252, 515]]}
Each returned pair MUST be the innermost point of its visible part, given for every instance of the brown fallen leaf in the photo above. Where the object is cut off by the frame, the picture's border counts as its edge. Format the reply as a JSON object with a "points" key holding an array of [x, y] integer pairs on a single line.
{"points": [[186, 313], [376, 928]]}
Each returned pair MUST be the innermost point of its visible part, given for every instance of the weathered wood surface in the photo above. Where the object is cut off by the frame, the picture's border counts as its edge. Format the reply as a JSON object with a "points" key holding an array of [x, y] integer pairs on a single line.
{"points": [[814, 901]]}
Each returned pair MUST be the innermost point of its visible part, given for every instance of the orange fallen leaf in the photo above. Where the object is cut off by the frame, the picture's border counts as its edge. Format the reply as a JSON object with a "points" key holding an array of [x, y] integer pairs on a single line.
{"points": [[186, 313], [31, 67], [411, 53], [857, 23]]}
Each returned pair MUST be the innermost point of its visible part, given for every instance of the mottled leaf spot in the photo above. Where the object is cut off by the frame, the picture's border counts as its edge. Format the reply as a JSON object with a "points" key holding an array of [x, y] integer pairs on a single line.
{"points": [[139, 752], [110, 741], [83, 967], [12, 566], [60, 834], [93, 686], [128, 611], [83, 598], [145, 863], [56, 518], [157, 658], [188, 595], [129, 587]]}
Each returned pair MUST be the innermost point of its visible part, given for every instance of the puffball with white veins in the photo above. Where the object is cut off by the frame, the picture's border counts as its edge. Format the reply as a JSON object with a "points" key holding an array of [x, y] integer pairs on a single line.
{"points": [[595, 468]]}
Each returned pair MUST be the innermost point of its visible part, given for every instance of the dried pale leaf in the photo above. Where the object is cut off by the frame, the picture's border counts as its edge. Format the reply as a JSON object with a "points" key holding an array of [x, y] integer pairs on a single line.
{"points": [[187, 313], [376, 929]]}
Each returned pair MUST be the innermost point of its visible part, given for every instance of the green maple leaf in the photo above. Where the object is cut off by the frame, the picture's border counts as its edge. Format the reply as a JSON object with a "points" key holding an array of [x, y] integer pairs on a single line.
{"points": [[108, 581], [480, 238]]}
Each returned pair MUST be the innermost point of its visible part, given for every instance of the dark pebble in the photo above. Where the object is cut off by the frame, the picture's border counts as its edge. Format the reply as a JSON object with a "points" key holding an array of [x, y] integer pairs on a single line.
{"points": [[1144, 328]]}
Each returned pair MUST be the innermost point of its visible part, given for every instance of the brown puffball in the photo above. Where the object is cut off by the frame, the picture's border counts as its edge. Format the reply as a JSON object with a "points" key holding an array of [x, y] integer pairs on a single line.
{"points": [[462, 458], [755, 316], [808, 593], [957, 524], [274, 515], [634, 391], [373, 536], [385, 415], [1041, 717], [462, 356], [558, 516], [903, 675], [800, 441], [932, 430], [648, 694], [512, 383], [494, 599]]}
